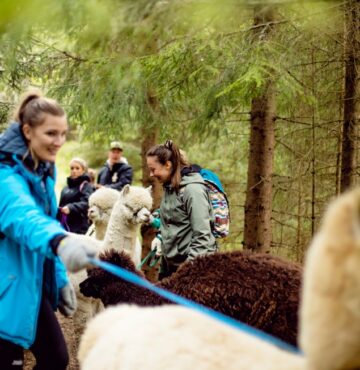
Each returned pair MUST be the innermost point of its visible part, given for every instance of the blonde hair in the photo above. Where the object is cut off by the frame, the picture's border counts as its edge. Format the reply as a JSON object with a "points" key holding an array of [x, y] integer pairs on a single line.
{"points": [[81, 162]]}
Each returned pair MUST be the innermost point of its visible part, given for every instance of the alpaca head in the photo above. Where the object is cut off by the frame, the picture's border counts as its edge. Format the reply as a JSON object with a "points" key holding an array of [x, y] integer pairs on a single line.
{"points": [[98, 279], [101, 203], [136, 204], [330, 309]]}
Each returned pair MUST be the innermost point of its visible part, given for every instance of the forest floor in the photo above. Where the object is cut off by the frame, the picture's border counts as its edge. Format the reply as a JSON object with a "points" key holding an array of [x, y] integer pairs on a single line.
{"points": [[71, 340]]}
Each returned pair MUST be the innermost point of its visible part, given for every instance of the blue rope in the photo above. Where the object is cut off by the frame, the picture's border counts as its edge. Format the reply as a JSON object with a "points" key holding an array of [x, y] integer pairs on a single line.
{"points": [[137, 280]]}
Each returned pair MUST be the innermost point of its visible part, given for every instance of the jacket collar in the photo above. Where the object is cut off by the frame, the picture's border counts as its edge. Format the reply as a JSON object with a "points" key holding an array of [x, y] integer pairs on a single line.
{"points": [[72, 183], [13, 141]]}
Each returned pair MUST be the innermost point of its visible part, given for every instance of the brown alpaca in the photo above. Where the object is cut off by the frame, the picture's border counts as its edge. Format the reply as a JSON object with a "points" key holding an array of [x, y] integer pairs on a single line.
{"points": [[258, 289]]}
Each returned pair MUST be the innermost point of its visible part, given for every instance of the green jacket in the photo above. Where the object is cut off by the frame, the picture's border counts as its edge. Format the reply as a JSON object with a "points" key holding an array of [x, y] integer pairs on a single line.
{"points": [[185, 221]]}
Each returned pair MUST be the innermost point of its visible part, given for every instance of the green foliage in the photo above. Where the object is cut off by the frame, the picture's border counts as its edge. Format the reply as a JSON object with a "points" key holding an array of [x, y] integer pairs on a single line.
{"points": [[190, 70]]}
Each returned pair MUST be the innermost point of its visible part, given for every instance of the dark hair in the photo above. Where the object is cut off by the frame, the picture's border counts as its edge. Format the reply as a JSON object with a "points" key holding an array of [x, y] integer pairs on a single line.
{"points": [[33, 107], [169, 152]]}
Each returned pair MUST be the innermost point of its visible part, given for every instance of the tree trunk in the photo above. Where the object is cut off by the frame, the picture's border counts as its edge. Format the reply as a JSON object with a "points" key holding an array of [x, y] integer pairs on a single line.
{"points": [[150, 138], [350, 122], [258, 204]]}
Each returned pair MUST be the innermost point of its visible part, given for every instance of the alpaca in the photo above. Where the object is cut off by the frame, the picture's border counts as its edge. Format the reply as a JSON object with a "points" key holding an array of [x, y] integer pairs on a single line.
{"points": [[129, 337], [258, 289], [331, 298], [132, 207], [101, 203], [177, 338]]}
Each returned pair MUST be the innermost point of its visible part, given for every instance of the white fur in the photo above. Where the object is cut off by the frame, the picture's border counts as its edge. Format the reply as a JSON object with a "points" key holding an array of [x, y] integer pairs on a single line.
{"points": [[121, 226], [173, 337], [101, 203], [330, 313]]}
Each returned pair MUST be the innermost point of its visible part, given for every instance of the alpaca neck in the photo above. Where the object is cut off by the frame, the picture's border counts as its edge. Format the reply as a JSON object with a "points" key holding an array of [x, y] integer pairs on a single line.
{"points": [[120, 234], [100, 230]]}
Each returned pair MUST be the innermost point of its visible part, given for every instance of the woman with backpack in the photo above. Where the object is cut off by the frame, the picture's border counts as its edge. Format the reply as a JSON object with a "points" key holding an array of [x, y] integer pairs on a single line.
{"points": [[185, 210], [73, 205]]}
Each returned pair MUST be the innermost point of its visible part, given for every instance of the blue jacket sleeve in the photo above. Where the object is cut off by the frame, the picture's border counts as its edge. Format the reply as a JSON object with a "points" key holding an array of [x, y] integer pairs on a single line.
{"points": [[21, 218]]}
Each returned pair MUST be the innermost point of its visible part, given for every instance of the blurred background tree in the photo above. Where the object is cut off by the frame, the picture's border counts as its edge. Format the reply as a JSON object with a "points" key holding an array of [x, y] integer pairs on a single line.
{"points": [[142, 71]]}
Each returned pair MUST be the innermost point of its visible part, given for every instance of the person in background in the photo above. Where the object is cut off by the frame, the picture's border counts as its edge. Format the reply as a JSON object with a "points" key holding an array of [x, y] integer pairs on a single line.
{"points": [[185, 210], [34, 248], [116, 172], [92, 174], [73, 205]]}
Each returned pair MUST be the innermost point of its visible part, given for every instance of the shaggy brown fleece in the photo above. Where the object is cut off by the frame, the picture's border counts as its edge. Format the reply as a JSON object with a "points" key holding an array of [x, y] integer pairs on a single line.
{"points": [[258, 289]]}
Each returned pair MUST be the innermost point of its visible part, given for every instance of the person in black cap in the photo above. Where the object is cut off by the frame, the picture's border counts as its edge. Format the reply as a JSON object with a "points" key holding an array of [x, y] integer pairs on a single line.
{"points": [[116, 172]]}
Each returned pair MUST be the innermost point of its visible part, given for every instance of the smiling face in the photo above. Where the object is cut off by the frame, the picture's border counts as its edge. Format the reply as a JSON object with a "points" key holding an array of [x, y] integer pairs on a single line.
{"points": [[45, 140], [162, 172]]}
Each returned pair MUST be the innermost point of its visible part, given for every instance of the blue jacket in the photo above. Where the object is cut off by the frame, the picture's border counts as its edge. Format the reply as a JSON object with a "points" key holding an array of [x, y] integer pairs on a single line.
{"points": [[28, 266]]}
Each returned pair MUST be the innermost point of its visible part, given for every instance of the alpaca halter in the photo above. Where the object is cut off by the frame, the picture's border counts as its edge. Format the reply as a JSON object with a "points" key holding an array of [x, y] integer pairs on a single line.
{"points": [[134, 211]]}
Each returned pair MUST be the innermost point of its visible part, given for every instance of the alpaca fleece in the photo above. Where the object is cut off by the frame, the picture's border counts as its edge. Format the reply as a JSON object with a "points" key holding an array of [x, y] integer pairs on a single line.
{"points": [[258, 289], [173, 337], [101, 203], [330, 309], [130, 208]]}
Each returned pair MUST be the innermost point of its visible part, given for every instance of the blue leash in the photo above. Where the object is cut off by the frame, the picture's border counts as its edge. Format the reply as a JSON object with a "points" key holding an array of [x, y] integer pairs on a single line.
{"points": [[137, 280]]}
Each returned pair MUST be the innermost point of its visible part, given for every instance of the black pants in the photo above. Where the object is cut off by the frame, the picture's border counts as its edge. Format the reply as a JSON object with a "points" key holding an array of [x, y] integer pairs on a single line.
{"points": [[49, 347], [167, 268]]}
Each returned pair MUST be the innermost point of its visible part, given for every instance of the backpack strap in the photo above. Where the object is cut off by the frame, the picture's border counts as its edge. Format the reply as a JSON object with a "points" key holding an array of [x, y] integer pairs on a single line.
{"points": [[212, 177], [83, 184]]}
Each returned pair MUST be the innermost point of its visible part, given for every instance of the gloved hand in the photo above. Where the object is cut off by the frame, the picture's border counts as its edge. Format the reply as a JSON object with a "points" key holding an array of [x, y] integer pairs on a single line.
{"points": [[156, 244], [154, 222], [67, 302], [74, 253]]}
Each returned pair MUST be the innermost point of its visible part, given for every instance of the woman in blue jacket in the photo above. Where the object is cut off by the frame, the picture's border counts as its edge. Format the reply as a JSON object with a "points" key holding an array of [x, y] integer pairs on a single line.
{"points": [[33, 281]]}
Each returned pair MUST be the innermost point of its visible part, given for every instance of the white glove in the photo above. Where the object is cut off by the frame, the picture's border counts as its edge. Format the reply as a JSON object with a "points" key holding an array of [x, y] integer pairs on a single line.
{"points": [[75, 253], [156, 244], [67, 302]]}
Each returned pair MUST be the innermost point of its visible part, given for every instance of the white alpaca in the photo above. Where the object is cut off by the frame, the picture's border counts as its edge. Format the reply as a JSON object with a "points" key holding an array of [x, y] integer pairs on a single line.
{"points": [[330, 314], [132, 207], [101, 203], [173, 337]]}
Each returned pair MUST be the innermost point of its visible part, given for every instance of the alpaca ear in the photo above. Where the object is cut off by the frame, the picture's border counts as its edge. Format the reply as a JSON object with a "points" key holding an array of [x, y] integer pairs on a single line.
{"points": [[149, 188], [126, 189]]}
